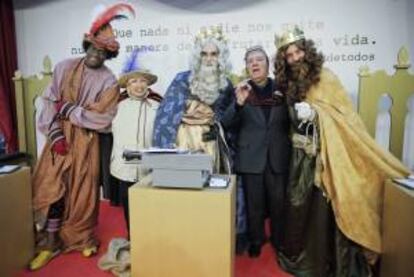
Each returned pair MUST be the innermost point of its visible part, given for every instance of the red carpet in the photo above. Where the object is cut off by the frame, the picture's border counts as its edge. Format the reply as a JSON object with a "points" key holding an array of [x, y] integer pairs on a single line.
{"points": [[111, 224]]}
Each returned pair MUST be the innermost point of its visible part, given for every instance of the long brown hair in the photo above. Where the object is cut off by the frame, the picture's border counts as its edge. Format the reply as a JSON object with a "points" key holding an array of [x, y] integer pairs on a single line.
{"points": [[296, 90]]}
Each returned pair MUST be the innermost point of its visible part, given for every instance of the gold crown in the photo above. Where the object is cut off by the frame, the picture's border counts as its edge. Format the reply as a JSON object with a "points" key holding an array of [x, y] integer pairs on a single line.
{"points": [[215, 32], [289, 36]]}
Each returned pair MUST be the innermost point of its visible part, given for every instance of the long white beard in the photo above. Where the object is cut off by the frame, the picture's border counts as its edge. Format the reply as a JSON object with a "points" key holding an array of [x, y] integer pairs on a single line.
{"points": [[206, 84]]}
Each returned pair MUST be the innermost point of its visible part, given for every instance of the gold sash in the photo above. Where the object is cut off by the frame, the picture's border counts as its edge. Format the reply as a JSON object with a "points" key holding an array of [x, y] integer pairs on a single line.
{"points": [[196, 120]]}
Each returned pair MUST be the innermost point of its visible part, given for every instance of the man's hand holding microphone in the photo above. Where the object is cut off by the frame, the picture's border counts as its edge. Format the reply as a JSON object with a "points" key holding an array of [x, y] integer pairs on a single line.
{"points": [[242, 92]]}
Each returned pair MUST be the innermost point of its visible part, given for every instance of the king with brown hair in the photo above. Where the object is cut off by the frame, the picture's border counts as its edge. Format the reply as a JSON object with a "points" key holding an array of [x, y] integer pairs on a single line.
{"points": [[332, 224]]}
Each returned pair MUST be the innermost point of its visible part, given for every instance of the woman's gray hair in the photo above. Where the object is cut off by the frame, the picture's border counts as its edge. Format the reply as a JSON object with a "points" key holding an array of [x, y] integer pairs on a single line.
{"points": [[224, 65]]}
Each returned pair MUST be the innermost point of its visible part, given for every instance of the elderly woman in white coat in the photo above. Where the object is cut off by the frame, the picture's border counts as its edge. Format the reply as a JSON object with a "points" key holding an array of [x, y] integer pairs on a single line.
{"points": [[132, 129]]}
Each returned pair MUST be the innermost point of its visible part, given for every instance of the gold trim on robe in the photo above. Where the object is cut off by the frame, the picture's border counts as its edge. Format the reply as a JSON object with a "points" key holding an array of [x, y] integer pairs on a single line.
{"points": [[354, 167], [73, 177], [196, 120]]}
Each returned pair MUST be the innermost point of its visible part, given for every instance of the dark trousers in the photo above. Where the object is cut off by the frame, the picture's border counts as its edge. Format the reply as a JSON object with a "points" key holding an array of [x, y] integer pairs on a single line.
{"points": [[265, 195], [105, 149], [123, 191], [56, 209]]}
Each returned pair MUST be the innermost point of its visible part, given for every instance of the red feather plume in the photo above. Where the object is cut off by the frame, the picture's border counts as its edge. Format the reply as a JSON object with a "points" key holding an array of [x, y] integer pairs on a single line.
{"points": [[109, 14]]}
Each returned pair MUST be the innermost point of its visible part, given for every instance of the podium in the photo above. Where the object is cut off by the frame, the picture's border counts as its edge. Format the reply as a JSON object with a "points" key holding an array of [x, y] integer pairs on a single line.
{"points": [[398, 231], [182, 232], [16, 235]]}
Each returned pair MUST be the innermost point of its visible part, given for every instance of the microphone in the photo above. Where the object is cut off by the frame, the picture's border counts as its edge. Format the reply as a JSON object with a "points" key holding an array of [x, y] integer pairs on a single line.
{"points": [[246, 85]]}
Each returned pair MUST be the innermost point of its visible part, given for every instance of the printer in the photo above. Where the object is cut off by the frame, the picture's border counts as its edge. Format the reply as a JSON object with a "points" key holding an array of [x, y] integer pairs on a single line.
{"points": [[178, 169]]}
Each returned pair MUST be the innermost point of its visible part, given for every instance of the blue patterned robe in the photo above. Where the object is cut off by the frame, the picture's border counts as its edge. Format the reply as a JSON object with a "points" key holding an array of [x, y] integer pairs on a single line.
{"points": [[168, 120], [172, 108]]}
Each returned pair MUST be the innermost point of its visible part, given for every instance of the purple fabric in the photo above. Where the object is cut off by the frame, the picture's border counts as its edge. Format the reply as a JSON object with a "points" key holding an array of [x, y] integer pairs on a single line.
{"points": [[94, 83]]}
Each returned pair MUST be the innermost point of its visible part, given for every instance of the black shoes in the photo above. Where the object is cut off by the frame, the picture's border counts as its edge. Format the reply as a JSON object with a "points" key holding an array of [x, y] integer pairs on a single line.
{"points": [[255, 250], [241, 244]]}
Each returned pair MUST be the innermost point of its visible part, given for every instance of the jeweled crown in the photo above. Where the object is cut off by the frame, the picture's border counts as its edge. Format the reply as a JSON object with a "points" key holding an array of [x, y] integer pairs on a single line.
{"points": [[205, 34], [288, 37]]}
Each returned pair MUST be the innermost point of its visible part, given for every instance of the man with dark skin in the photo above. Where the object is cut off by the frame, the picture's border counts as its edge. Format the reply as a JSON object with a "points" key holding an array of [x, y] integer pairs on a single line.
{"points": [[79, 103]]}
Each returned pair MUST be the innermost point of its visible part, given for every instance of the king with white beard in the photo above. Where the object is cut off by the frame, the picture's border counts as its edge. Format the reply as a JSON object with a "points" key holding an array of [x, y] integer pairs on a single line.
{"points": [[193, 105], [196, 99]]}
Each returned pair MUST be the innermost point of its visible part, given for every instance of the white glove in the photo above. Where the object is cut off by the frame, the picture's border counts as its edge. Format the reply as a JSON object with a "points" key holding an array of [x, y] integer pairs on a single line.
{"points": [[304, 111]]}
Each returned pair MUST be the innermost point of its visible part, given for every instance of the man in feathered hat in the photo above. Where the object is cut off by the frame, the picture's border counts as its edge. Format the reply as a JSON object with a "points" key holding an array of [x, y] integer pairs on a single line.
{"points": [[79, 103], [132, 126], [195, 102], [333, 208]]}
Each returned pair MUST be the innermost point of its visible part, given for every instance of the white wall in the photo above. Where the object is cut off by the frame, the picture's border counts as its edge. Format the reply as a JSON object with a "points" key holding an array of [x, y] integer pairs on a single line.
{"points": [[410, 26], [368, 32], [372, 29]]}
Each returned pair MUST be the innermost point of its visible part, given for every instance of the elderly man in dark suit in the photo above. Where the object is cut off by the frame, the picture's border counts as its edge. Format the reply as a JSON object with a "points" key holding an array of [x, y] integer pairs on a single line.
{"points": [[261, 116]]}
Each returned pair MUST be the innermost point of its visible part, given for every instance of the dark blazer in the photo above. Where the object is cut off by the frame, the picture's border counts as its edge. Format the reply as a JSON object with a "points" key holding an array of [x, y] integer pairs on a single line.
{"points": [[260, 141]]}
